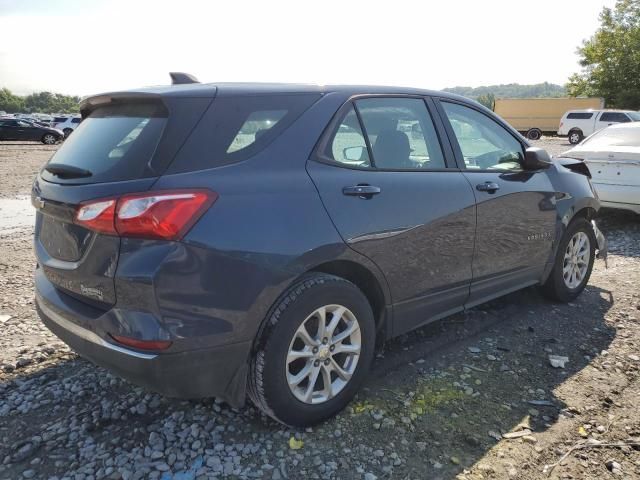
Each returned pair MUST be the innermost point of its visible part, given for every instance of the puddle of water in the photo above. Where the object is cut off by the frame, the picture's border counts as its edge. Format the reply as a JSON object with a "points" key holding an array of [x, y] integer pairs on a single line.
{"points": [[16, 214]]}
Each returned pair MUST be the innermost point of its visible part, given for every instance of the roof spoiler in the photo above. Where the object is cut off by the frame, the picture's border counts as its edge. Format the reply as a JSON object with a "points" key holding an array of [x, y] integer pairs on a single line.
{"points": [[179, 78]]}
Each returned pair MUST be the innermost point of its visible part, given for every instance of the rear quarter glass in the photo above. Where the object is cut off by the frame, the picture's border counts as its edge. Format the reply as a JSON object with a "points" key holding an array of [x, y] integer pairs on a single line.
{"points": [[238, 127], [115, 142]]}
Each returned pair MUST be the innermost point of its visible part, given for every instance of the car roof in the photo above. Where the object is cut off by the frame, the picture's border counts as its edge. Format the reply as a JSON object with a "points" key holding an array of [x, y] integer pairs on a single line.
{"points": [[578, 110], [232, 89]]}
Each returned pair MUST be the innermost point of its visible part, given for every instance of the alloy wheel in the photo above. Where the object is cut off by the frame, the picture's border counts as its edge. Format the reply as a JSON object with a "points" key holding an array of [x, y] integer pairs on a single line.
{"points": [[576, 260], [323, 354], [49, 139]]}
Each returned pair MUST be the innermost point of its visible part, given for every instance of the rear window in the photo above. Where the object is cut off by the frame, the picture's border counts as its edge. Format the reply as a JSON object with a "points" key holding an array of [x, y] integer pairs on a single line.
{"points": [[580, 115], [236, 128], [115, 142]]}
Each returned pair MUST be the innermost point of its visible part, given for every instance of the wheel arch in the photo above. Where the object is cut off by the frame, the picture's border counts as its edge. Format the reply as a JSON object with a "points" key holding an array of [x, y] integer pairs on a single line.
{"points": [[366, 281]]}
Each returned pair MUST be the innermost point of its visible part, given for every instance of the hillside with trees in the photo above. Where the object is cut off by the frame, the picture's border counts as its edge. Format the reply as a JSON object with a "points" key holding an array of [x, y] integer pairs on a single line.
{"points": [[512, 90], [41, 102]]}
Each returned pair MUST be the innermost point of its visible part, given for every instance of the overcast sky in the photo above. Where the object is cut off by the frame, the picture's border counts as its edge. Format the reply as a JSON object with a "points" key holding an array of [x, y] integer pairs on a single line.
{"points": [[87, 46]]}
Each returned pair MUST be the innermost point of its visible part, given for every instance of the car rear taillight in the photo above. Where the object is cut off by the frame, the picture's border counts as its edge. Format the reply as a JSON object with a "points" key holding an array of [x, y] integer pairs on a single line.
{"points": [[165, 215], [98, 216], [153, 345]]}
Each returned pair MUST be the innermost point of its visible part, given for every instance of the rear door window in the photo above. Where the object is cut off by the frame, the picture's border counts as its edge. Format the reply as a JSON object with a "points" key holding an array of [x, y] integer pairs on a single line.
{"points": [[115, 142], [401, 133], [348, 146]]}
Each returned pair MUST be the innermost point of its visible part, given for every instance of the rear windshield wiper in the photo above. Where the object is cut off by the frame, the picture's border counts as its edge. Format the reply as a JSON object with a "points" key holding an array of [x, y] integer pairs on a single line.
{"points": [[67, 171]]}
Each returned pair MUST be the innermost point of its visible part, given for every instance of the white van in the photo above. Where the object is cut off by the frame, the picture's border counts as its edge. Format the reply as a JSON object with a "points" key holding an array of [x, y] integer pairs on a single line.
{"points": [[578, 124]]}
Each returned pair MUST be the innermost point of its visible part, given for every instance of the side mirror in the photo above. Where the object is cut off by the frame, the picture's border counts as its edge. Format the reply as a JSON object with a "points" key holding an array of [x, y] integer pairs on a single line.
{"points": [[354, 154], [536, 159]]}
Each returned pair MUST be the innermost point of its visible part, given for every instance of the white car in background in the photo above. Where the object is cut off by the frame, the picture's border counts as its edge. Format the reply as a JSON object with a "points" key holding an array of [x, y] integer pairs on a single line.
{"points": [[613, 158], [578, 124], [67, 125]]}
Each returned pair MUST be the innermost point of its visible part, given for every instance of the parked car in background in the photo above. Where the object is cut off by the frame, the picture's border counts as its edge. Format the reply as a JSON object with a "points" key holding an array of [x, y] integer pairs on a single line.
{"points": [[534, 117], [67, 124], [225, 239], [613, 157], [20, 129], [578, 124]]}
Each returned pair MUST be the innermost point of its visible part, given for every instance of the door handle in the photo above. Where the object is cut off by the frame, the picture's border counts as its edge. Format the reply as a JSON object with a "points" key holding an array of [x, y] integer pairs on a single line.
{"points": [[362, 191], [489, 187]]}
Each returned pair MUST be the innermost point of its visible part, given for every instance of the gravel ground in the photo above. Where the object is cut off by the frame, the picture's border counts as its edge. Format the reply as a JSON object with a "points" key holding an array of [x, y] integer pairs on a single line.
{"points": [[472, 396]]}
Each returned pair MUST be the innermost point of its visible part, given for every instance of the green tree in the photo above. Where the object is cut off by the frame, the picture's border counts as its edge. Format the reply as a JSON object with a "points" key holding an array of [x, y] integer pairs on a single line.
{"points": [[512, 90], [51, 103], [9, 102], [610, 59], [40, 102], [488, 100]]}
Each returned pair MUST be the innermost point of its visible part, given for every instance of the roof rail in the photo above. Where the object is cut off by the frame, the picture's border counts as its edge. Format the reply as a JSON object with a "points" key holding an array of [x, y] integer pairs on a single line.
{"points": [[178, 78]]}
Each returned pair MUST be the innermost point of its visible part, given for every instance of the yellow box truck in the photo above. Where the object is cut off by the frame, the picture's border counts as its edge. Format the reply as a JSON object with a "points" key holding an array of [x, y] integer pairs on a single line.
{"points": [[534, 116]]}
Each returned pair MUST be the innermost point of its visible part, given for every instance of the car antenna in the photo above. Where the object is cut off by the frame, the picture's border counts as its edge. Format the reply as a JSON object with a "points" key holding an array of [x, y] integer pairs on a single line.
{"points": [[178, 78]]}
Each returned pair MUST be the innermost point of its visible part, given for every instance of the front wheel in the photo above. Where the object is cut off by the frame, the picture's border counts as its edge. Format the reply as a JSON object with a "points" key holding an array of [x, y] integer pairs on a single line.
{"points": [[575, 137], [67, 132], [49, 139], [573, 263], [315, 351]]}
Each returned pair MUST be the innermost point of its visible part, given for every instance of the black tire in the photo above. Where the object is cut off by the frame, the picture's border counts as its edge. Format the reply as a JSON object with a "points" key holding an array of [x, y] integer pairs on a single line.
{"points": [[268, 387], [555, 286], [534, 134], [575, 137], [67, 132], [49, 139]]}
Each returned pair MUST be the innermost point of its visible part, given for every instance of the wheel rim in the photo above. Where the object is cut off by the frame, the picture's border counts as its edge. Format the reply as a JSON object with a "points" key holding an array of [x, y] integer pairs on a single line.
{"points": [[576, 260], [575, 138], [534, 135], [323, 354], [49, 139]]}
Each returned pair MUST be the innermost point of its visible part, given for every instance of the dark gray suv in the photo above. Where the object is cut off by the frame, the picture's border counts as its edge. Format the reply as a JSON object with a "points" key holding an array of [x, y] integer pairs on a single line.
{"points": [[233, 239]]}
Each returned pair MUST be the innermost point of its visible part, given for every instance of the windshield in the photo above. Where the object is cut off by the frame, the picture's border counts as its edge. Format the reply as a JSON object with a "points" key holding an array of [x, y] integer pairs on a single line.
{"points": [[635, 116]]}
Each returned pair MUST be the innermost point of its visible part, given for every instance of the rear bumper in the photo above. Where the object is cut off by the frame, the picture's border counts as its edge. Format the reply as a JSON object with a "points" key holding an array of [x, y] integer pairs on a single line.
{"points": [[205, 372]]}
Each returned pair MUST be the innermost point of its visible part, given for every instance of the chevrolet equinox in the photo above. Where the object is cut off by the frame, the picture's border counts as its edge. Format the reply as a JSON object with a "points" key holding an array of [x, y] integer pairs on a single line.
{"points": [[257, 240]]}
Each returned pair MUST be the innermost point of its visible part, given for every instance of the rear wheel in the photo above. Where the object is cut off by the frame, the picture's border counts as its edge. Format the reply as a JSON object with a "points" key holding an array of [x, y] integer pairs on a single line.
{"points": [[573, 263], [49, 139], [575, 137], [315, 351], [534, 134]]}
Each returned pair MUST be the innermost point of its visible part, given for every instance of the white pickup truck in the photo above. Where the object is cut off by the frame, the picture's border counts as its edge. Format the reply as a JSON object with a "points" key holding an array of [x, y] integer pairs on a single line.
{"points": [[578, 124]]}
